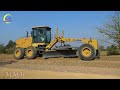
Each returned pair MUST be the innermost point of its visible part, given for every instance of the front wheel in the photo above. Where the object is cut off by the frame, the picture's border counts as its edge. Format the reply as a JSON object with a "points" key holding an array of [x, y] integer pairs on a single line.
{"points": [[87, 52]]}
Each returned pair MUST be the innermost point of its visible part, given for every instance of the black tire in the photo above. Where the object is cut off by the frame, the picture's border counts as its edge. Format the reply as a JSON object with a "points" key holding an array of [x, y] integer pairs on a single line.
{"points": [[21, 54], [33, 55], [90, 48], [97, 54]]}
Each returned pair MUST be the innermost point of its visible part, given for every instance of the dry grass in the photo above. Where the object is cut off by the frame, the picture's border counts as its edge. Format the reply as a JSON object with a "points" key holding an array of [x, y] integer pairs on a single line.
{"points": [[103, 53]]}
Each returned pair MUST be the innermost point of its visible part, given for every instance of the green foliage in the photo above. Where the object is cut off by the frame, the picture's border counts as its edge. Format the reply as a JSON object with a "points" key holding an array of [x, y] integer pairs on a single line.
{"points": [[108, 48], [8, 49], [113, 50], [10, 44], [102, 48], [2, 48], [111, 29]]}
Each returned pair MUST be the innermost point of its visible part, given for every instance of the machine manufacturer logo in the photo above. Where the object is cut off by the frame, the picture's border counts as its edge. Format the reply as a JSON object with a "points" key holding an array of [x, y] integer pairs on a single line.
{"points": [[7, 18]]}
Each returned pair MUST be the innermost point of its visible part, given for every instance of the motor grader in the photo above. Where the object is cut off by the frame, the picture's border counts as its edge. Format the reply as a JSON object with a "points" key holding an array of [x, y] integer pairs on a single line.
{"points": [[40, 44]]}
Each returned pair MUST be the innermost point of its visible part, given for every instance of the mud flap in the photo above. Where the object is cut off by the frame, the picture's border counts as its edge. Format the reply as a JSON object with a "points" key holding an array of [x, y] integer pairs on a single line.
{"points": [[59, 53]]}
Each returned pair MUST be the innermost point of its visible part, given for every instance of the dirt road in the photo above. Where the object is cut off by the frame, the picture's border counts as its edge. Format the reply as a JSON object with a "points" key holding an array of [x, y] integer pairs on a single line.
{"points": [[69, 68]]}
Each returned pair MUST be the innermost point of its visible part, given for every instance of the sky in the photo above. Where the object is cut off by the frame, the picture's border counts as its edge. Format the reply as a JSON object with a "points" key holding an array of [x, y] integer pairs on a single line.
{"points": [[76, 24]]}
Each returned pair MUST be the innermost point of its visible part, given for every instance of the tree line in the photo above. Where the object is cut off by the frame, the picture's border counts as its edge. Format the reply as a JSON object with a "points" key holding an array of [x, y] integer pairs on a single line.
{"points": [[7, 49], [111, 50]]}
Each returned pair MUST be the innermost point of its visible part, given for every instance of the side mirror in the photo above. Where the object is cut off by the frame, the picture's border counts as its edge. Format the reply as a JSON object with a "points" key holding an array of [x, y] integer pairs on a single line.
{"points": [[27, 34]]}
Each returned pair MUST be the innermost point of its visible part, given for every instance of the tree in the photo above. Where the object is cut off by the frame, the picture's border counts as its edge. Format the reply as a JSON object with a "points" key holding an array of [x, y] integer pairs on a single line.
{"points": [[10, 44], [10, 47], [108, 48], [101, 48], [111, 29], [2, 48]]}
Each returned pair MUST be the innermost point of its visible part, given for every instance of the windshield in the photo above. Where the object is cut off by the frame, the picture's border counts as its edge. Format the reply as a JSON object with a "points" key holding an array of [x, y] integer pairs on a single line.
{"points": [[41, 35]]}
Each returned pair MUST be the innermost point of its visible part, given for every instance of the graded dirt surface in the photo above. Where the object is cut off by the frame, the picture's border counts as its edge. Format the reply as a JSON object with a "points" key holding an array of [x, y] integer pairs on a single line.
{"points": [[108, 67]]}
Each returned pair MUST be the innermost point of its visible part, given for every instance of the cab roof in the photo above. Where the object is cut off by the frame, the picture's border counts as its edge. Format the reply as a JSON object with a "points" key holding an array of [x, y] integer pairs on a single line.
{"points": [[41, 27]]}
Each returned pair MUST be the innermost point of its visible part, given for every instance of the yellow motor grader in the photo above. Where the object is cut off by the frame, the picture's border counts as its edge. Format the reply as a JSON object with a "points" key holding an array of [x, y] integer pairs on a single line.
{"points": [[40, 44]]}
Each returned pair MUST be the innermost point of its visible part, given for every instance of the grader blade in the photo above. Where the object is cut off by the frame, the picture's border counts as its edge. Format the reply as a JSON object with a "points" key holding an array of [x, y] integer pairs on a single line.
{"points": [[59, 53]]}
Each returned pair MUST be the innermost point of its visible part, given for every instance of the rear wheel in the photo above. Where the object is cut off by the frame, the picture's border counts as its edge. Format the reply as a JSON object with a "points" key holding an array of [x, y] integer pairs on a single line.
{"points": [[19, 53], [31, 53], [87, 52]]}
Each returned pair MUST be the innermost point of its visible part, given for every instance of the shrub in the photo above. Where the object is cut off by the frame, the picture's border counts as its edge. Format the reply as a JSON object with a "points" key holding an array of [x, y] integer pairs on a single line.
{"points": [[113, 51], [9, 50]]}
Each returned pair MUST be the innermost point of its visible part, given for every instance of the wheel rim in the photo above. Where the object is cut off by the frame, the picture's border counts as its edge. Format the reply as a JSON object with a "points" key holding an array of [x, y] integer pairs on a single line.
{"points": [[86, 52], [17, 53], [29, 53]]}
